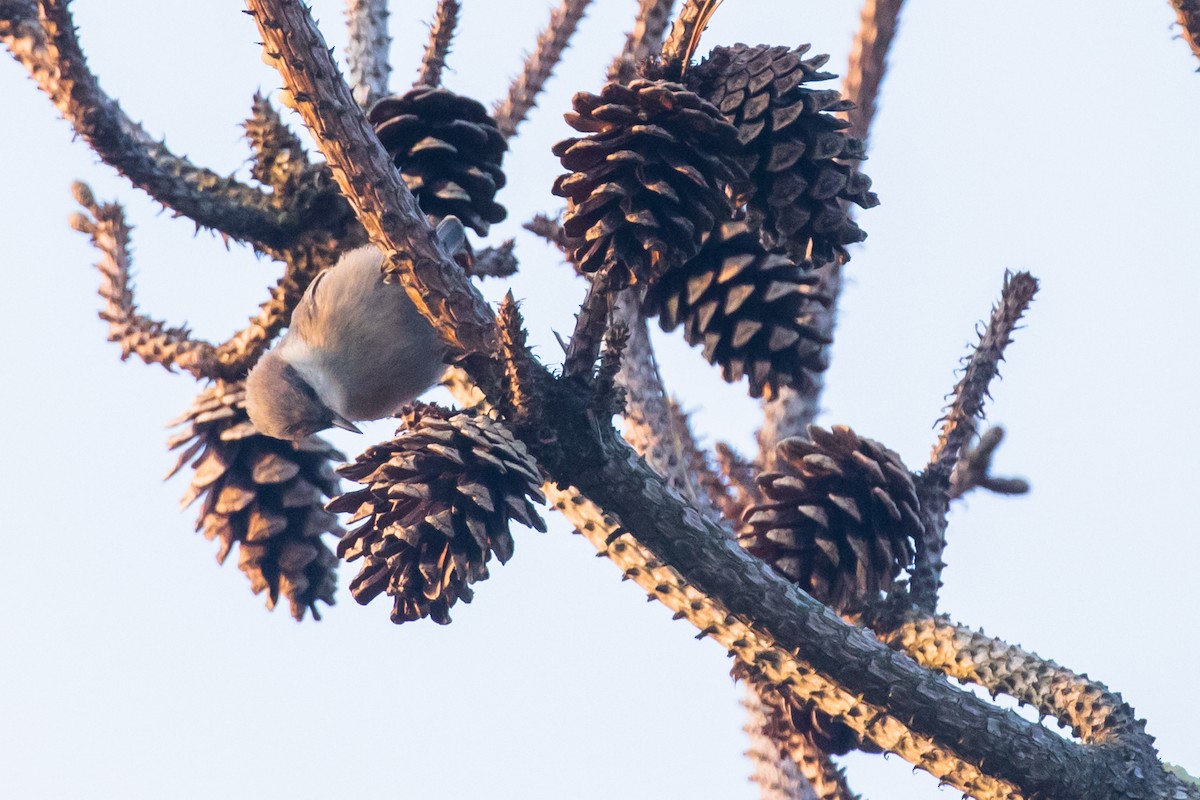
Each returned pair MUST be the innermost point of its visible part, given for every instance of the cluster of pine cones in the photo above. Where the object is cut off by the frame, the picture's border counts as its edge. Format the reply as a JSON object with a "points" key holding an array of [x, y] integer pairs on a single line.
{"points": [[722, 195]]}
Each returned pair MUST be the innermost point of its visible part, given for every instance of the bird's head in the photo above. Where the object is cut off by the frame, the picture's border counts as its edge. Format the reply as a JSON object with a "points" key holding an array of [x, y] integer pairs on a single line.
{"points": [[282, 404]]}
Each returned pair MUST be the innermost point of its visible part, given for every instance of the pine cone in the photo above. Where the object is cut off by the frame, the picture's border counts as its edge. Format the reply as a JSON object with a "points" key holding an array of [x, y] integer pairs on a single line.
{"points": [[264, 494], [756, 313], [648, 184], [448, 150], [839, 518], [437, 503], [793, 147]]}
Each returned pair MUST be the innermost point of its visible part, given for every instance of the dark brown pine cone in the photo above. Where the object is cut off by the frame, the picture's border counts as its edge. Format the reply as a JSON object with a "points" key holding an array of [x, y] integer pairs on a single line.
{"points": [[793, 147], [756, 313], [436, 504], [448, 150], [648, 182], [263, 494], [840, 517]]}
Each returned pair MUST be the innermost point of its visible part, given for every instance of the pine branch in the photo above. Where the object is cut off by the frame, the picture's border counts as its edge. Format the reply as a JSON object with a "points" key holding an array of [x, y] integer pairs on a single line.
{"points": [[150, 340], [655, 427], [367, 49], [1093, 713], [43, 40], [539, 65], [958, 426], [441, 33], [643, 41], [590, 325]]}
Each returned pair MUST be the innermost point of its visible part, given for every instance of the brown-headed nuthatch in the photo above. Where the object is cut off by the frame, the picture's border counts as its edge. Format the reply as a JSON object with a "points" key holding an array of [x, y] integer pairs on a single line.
{"points": [[356, 349]]}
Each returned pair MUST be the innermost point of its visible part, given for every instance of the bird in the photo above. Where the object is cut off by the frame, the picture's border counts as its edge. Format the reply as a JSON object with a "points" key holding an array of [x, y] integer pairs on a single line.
{"points": [[356, 349]]}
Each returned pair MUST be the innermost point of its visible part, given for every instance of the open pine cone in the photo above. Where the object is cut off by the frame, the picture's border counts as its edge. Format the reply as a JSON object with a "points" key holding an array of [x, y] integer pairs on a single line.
{"points": [[756, 313], [448, 151], [648, 183], [263, 494], [793, 147], [436, 505], [840, 517]]}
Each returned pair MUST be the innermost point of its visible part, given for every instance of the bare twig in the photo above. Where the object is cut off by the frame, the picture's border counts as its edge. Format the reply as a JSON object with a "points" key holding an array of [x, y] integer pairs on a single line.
{"points": [[441, 33], [1189, 21], [974, 470], [868, 62], [539, 65], [367, 49], [644, 40], [150, 340], [43, 40], [958, 426]]}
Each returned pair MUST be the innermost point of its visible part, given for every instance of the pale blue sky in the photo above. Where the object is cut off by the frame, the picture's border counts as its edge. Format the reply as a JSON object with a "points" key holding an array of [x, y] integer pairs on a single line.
{"points": [[1056, 137]]}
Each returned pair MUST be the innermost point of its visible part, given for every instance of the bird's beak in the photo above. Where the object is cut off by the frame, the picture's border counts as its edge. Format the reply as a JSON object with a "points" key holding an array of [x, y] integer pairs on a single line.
{"points": [[341, 422]]}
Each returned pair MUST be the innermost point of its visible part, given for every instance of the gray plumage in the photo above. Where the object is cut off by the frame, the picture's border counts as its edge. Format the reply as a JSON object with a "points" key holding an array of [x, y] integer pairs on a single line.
{"points": [[356, 349]]}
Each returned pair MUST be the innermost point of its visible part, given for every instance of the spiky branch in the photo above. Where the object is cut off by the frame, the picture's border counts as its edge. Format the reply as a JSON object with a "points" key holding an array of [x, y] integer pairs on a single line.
{"points": [[643, 41], [441, 34], [958, 426], [42, 38], [539, 66]]}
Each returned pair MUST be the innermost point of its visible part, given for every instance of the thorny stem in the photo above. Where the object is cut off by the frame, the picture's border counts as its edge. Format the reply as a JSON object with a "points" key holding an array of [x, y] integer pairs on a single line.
{"points": [[653, 426], [783, 633], [539, 65], [42, 38], [590, 324], [150, 340], [367, 49], [441, 33], [958, 426], [644, 40], [1093, 713]]}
